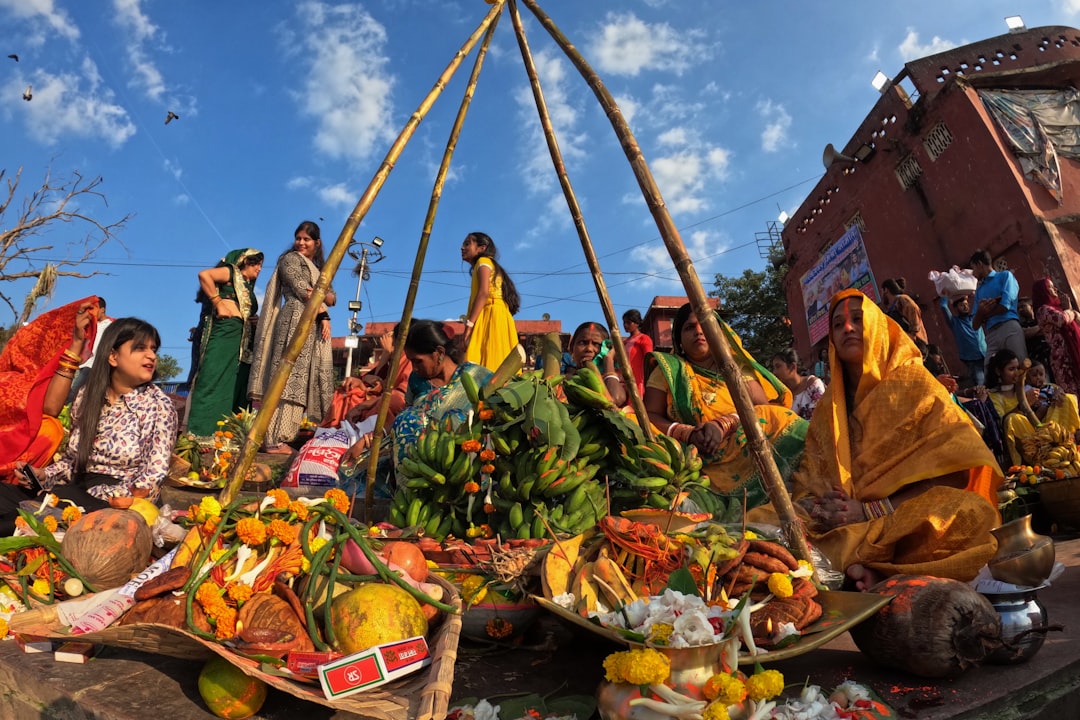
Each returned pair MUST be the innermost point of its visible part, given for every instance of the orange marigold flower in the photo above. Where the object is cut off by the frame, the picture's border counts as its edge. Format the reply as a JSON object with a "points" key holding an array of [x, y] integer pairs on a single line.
{"points": [[498, 628], [54, 500], [210, 525], [71, 514], [283, 531], [239, 592], [487, 414], [487, 469], [208, 593], [487, 531], [51, 524], [21, 524], [338, 499], [251, 531], [489, 508], [472, 486], [298, 509], [471, 446], [228, 434], [487, 454], [281, 498], [226, 623], [3, 628]]}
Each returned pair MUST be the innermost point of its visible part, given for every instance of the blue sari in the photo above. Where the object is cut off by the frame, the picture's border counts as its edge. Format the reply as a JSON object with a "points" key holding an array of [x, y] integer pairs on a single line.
{"points": [[437, 404]]}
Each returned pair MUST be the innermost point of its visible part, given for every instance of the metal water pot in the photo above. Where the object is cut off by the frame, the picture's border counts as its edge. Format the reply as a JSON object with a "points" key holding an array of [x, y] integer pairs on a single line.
{"points": [[1023, 625]]}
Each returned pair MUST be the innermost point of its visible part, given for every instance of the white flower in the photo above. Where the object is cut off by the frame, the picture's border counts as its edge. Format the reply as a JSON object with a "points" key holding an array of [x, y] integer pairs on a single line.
{"points": [[694, 629], [786, 630], [486, 711], [565, 601]]}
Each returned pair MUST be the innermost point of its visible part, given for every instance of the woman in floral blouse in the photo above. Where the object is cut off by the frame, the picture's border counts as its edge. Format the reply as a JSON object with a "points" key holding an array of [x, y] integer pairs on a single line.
{"points": [[807, 389]]}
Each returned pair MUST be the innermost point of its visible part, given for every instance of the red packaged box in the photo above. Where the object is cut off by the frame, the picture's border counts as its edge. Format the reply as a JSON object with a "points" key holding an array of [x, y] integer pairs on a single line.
{"points": [[373, 667], [306, 664]]}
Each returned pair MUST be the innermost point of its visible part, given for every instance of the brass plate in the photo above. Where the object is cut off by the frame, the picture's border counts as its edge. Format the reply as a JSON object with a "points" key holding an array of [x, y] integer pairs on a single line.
{"points": [[841, 611]]}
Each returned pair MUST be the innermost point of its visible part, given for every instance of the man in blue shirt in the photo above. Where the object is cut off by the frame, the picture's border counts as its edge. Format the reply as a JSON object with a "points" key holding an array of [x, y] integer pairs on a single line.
{"points": [[969, 341], [995, 308]]}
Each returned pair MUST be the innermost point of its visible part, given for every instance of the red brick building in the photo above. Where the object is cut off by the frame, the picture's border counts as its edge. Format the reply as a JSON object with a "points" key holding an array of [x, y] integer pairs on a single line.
{"points": [[936, 178]]}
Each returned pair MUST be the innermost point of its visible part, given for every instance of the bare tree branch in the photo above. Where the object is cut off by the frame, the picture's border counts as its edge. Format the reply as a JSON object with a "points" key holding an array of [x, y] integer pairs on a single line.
{"points": [[23, 255]]}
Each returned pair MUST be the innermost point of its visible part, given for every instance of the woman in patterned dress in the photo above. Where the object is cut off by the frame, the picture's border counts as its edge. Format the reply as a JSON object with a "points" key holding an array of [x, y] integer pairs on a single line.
{"points": [[123, 427], [1058, 322], [490, 333], [310, 387]]}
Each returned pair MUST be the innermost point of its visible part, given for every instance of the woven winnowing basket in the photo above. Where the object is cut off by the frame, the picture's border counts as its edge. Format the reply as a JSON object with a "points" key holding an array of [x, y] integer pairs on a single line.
{"points": [[424, 695]]}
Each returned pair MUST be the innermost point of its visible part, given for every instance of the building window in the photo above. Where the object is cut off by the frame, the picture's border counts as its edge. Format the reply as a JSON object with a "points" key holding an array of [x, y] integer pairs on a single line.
{"points": [[908, 171], [856, 219], [937, 140]]}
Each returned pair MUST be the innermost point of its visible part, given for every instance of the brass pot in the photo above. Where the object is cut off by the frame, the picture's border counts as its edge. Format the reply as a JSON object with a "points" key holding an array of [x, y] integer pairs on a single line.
{"points": [[1024, 557]]}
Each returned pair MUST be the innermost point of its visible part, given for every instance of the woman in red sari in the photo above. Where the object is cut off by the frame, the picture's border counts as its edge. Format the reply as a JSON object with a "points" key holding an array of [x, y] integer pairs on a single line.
{"points": [[1058, 322]]}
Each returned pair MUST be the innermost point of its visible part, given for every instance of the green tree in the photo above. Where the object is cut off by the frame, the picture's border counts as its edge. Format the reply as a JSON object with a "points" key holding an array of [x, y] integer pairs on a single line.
{"points": [[755, 306], [168, 367]]}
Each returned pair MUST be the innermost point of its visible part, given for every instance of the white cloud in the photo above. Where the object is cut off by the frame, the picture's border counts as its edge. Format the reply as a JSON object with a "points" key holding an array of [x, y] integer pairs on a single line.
{"points": [[683, 176], [141, 32], [777, 125], [629, 106], [674, 136], [911, 49], [173, 169], [44, 16], [71, 104], [338, 194], [627, 45], [1070, 7], [536, 168], [348, 89], [182, 199], [703, 246], [299, 182]]}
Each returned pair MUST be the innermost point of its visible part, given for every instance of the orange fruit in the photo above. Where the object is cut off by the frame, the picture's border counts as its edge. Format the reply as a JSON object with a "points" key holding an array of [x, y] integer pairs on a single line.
{"points": [[228, 692]]}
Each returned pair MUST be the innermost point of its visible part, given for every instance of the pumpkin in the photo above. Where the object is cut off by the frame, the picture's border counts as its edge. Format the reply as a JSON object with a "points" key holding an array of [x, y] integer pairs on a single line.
{"points": [[933, 627], [372, 614], [108, 546]]}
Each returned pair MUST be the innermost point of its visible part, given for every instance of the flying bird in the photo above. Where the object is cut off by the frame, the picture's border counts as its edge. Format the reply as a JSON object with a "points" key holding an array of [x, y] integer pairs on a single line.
{"points": [[14, 57], [170, 117], [28, 93]]}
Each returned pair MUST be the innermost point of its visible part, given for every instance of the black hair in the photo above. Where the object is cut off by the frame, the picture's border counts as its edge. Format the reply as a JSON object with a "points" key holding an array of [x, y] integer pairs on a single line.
{"points": [[588, 326], [312, 229], [997, 363], [97, 383], [632, 316], [427, 336], [895, 285], [980, 256], [788, 356], [488, 250], [250, 260]]}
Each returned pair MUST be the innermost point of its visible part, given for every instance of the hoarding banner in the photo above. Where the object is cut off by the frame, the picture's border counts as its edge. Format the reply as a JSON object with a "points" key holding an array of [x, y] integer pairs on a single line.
{"points": [[843, 266]]}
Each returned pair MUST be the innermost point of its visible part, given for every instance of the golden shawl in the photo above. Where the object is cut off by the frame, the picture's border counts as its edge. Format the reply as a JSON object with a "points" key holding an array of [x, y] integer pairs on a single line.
{"points": [[904, 428]]}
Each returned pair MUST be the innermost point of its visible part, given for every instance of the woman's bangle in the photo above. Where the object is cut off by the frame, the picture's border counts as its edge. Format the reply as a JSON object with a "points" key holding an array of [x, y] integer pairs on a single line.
{"points": [[877, 508], [69, 376], [214, 297], [680, 431], [612, 376], [469, 323]]}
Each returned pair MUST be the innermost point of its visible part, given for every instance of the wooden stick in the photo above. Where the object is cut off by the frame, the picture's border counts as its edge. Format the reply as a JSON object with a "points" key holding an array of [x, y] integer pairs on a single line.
{"points": [[758, 445], [583, 233], [490, 22], [551, 355], [333, 261]]}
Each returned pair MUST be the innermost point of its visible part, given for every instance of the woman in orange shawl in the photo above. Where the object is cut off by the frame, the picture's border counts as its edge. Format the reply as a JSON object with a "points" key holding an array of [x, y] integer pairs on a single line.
{"points": [[895, 478]]}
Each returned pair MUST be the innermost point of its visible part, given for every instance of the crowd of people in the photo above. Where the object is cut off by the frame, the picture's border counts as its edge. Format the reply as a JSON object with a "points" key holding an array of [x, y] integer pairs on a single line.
{"points": [[892, 460]]}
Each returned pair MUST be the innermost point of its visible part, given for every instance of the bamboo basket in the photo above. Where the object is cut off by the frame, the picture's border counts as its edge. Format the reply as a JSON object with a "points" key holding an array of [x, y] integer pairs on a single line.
{"points": [[1061, 498], [422, 696]]}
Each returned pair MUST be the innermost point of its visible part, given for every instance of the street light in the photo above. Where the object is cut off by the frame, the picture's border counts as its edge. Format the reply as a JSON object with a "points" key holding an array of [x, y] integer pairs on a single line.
{"points": [[369, 253]]}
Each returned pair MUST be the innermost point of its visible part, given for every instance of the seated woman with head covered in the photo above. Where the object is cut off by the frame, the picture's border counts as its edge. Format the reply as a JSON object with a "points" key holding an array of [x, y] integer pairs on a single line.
{"points": [[895, 478]]}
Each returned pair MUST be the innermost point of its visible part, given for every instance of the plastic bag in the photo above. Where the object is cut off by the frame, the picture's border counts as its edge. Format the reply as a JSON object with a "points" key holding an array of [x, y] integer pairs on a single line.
{"points": [[164, 530], [316, 465], [954, 281]]}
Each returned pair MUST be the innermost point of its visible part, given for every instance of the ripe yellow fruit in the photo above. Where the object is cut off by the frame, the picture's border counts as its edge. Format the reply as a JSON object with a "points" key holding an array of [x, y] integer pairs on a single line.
{"points": [[148, 510], [193, 475], [375, 613]]}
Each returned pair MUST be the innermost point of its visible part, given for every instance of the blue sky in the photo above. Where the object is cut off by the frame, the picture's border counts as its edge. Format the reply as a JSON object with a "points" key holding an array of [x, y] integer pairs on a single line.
{"points": [[287, 109]]}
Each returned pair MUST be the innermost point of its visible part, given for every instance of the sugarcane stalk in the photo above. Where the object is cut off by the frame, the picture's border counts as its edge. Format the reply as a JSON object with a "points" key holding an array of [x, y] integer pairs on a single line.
{"points": [[490, 23], [758, 445], [623, 361], [333, 261]]}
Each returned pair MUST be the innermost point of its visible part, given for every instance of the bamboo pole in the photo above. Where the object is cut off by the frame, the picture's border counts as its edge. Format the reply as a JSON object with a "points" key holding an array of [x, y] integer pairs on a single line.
{"points": [[421, 252], [333, 261], [756, 440], [579, 223]]}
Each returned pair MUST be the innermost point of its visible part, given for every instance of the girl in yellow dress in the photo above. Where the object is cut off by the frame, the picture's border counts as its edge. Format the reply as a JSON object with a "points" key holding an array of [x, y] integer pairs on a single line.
{"points": [[490, 333]]}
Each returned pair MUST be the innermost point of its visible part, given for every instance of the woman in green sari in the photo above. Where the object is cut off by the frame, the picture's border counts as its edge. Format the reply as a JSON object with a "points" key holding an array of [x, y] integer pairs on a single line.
{"points": [[220, 385], [686, 398]]}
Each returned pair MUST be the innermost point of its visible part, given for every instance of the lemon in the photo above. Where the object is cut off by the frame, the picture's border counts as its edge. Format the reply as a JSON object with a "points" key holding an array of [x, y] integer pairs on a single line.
{"points": [[193, 475], [147, 509]]}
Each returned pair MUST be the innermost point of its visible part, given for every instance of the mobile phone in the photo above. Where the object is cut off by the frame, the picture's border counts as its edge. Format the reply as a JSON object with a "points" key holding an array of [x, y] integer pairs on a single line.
{"points": [[31, 476]]}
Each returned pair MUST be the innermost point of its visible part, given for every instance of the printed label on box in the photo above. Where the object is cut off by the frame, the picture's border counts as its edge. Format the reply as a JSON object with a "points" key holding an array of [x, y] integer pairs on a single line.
{"points": [[373, 667]]}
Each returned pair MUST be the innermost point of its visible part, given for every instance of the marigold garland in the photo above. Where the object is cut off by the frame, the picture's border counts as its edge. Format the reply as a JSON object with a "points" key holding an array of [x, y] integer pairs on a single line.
{"points": [[471, 446], [487, 454]]}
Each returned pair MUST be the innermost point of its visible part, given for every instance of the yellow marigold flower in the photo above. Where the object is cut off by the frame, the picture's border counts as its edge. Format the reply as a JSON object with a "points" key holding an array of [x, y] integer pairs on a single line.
{"points": [[51, 523], [283, 531], [472, 487], [750, 535], [338, 499], [41, 587], [240, 593], [71, 514], [210, 507], [637, 667], [473, 531], [251, 531], [281, 498], [805, 564], [216, 554], [225, 626], [298, 509], [716, 711], [764, 685], [660, 632], [220, 423], [473, 589], [725, 689], [487, 454], [317, 544], [780, 585], [3, 628]]}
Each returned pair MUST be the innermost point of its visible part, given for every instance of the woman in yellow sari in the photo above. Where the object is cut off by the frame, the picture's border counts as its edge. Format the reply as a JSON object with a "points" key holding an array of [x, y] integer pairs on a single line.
{"points": [[1049, 403], [686, 398], [895, 478]]}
